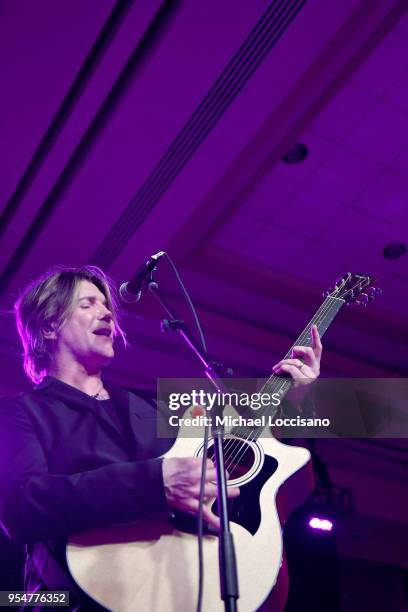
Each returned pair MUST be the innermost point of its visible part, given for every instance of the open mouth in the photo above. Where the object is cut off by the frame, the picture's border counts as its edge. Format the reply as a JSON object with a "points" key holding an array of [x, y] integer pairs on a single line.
{"points": [[103, 331]]}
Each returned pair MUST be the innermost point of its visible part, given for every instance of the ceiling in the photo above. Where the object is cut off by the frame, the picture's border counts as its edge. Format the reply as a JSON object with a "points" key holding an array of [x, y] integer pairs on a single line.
{"points": [[130, 127]]}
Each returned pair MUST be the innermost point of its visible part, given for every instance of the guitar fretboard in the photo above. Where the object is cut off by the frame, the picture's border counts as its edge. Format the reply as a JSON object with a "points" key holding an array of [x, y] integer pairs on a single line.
{"points": [[279, 385]]}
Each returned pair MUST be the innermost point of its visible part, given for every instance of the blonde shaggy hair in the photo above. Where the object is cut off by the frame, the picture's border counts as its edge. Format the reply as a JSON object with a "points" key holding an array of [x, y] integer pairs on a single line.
{"points": [[46, 302]]}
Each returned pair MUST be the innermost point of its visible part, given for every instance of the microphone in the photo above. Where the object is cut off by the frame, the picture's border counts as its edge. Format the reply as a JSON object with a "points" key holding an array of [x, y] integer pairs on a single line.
{"points": [[132, 290]]}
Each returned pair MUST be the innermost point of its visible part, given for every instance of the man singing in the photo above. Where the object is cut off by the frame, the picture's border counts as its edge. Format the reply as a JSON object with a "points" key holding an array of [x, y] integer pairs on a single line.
{"points": [[77, 453]]}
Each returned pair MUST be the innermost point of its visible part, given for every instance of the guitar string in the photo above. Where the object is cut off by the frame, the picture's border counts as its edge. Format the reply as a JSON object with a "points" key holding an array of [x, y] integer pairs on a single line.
{"points": [[324, 311], [234, 442], [239, 443]]}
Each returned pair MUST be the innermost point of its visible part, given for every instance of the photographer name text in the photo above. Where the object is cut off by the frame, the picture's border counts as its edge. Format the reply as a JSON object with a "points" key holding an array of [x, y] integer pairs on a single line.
{"points": [[240, 421]]}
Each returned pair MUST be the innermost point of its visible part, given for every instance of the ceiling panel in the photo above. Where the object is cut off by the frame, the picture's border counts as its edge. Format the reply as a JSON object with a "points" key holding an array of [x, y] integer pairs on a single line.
{"points": [[381, 135], [386, 198], [343, 113], [275, 246], [352, 231], [320, 264], [398, 95], [402, 25], [307, 213], [344, 175], [74, 130], [384, 66], [238, 231], [38, 63], [269, 196], [400, 164]]}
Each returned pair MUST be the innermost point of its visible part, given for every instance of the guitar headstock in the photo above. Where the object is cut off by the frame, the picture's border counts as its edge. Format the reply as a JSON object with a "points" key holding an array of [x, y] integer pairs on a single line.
{"points": [[354, 289]]}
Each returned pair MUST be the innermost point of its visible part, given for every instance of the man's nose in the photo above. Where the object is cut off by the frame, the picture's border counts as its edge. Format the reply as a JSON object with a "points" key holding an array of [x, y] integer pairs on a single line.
{"points": [[104, 314]]}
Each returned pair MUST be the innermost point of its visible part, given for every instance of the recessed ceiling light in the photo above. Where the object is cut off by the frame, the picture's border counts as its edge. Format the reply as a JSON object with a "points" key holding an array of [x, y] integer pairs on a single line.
{"points": [[394, 250], [296, 154]]}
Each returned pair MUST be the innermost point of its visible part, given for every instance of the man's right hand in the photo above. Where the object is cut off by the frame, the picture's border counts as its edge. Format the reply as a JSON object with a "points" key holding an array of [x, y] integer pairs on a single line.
{"points": [[182, 477]]}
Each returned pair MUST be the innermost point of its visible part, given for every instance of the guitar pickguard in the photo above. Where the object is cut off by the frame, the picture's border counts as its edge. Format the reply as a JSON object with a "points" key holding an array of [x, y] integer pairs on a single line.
{"points": [[244, 510]]}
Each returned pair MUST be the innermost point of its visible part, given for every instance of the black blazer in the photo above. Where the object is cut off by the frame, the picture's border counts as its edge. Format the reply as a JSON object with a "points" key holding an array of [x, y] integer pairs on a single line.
{"points": [[68, 463]]}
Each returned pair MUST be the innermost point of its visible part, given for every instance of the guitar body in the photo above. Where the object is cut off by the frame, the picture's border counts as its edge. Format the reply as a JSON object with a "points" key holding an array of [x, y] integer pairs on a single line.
{"points": [[153, 565]]}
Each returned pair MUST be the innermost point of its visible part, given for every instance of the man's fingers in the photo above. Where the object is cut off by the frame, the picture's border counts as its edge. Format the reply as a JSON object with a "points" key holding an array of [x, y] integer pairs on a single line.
{"points": [[233, 491], [295, 362], [211, 490], [296, 374], [192, 507], [210, 474], [211, 518], [294, 367], [305, 352], [316, 342]]}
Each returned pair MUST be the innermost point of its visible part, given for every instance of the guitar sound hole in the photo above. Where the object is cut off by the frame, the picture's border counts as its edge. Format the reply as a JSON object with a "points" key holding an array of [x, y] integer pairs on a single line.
{"points": [[239, 457]]}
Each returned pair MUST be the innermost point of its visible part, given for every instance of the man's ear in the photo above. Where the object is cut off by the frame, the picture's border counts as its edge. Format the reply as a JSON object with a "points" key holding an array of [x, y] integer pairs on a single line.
{"points": [[49, 331]]}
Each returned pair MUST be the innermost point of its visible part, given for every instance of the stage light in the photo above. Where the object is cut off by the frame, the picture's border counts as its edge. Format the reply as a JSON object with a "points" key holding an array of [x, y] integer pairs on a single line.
{"points": [[320, 523]]}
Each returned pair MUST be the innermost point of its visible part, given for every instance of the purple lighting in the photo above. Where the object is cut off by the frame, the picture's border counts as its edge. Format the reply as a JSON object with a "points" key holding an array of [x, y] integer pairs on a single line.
{"points": [[319, 523]]}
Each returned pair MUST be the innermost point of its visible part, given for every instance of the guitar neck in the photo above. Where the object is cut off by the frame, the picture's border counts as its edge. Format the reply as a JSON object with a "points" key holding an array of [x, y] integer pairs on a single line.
{"points": [[322, 319], [346, 291], [280, 385]]}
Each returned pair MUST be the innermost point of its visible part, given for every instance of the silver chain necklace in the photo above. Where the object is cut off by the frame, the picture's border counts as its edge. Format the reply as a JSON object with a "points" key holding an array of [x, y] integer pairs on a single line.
{"points": [[98, 395]]}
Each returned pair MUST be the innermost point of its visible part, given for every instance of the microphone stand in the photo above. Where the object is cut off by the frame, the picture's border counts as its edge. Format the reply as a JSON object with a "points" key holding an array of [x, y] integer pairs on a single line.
{"points": [[226, 550]]}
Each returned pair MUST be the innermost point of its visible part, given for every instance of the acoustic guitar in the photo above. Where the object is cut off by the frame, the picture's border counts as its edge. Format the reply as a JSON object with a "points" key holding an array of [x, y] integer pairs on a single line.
{"points": [[153, 565]]}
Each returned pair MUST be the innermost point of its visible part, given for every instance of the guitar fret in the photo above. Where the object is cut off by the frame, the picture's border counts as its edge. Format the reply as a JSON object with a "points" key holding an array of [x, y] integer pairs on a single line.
{"points": [[281, 385]]}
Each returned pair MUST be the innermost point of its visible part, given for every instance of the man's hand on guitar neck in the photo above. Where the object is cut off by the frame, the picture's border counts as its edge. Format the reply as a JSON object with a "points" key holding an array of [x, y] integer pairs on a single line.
{"points": [[181, 478], [303, 367]]}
